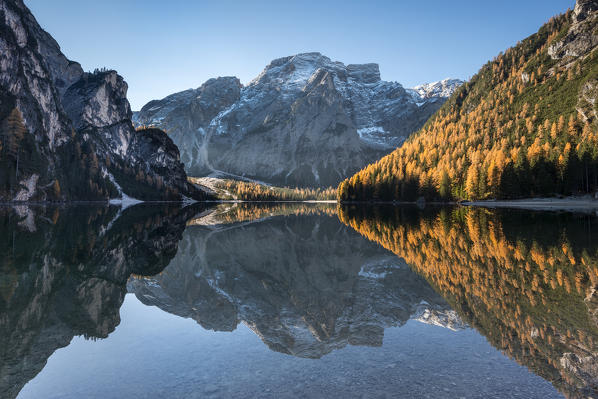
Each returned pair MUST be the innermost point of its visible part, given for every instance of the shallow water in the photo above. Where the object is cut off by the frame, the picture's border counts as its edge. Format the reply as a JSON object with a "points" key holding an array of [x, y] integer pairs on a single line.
{"points": [[296, 301]]}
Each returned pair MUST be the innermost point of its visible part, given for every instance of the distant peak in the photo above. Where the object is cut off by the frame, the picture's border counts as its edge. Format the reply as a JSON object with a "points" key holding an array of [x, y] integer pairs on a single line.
{"points": [[300, 67], [442, 88], [313, 56], [443, 82], [220, 80]]}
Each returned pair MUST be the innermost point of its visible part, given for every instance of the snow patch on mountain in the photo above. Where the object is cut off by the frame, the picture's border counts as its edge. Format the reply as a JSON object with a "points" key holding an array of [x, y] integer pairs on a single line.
{"points": [[441, 89]]}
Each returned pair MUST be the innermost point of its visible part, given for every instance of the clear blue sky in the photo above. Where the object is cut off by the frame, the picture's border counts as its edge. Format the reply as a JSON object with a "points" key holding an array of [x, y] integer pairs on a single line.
{"points": [[161, 47]]}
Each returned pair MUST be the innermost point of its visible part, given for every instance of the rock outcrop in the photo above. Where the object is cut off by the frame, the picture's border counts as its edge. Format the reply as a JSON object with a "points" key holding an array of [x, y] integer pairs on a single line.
{"points": [[66, 134], [304, 121], [581, 37]]}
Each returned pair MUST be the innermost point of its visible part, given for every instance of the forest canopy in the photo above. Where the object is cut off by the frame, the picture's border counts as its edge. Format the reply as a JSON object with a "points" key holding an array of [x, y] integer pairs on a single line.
{"points": [[524, 126]]}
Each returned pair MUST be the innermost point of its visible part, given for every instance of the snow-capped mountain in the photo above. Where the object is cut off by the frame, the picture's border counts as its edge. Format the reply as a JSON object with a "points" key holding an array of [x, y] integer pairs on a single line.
{"points": [[304, 121]]}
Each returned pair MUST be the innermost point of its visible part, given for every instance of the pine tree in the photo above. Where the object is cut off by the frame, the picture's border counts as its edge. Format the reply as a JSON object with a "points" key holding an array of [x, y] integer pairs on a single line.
{"points": [[471, 184], [444, 189]]}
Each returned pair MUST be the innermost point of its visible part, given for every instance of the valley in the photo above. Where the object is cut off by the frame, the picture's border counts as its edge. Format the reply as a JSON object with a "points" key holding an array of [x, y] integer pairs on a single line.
{"points": [[297, 226]]}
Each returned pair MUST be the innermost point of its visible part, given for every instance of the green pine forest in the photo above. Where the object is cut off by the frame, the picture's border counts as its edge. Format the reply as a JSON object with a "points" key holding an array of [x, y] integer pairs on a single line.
{"points": [[524, 126]]}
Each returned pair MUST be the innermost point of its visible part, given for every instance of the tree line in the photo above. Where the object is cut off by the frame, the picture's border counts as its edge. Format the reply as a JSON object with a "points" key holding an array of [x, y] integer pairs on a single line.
{"points": [[250, 191]]}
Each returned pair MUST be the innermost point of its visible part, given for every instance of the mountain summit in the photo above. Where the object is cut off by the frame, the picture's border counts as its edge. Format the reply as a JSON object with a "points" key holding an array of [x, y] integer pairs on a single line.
{"points": [[305, 120]]}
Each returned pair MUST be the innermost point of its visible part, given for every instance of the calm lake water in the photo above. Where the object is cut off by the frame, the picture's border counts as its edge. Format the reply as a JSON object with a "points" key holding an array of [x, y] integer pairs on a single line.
{"points": [[297, 301]]}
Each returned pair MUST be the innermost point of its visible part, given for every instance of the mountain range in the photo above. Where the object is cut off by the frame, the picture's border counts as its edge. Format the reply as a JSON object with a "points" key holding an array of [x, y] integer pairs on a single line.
{"points": [[525, 125], [304, 121]]}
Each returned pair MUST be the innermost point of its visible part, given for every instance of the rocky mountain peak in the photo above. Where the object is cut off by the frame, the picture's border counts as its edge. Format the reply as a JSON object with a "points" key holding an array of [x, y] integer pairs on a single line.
{"points": [[220, 83], [292, 71], [299, 68], [219, 92], [581, 38], [442, 88], [304, 121], [67, 135], [583, 8], [97, 99], [364, 73]]}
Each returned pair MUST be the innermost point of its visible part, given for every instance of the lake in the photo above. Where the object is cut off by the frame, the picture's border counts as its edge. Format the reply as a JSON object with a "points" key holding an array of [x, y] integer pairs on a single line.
{"points": [[290, 300]]}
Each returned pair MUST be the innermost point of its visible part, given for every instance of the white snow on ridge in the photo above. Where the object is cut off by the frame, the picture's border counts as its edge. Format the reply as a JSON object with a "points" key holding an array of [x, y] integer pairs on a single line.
{"points": [[445, 318], [443, 88], [125, 201]]}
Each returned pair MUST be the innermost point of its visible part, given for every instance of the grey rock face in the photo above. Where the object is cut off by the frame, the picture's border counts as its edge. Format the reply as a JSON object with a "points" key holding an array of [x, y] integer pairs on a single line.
{"points": [[320, 288], [583, 8], [191, 111], [304, 121], [582, 36], [587, 106], [77, 141]]}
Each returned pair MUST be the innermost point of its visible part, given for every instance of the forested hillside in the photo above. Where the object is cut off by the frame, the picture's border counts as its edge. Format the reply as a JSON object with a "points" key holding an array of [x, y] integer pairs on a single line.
{"points": [[525, 125]]}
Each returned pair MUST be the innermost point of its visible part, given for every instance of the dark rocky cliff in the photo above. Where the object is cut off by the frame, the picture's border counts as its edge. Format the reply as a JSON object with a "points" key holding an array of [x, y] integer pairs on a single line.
{"points": [[66, 134]]}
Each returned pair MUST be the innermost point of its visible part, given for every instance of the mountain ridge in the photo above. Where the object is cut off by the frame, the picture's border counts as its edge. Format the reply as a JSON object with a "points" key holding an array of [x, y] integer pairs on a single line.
{"points": [[305, 120]]}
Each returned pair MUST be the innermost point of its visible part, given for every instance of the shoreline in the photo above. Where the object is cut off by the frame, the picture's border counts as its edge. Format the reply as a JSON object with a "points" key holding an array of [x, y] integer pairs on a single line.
{"points": [[553, 204], [119, 203], [540, 204]]}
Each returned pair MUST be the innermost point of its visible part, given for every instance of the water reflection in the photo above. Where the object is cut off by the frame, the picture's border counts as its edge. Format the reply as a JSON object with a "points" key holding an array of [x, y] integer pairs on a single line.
{"points": [[305, 279], [63, 273], [526, 280], [304, 283]]}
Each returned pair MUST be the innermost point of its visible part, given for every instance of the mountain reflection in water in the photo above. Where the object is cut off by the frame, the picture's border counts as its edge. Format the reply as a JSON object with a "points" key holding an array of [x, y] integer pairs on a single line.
{"points": [[305, 283], [63, 273], [306, 278]]}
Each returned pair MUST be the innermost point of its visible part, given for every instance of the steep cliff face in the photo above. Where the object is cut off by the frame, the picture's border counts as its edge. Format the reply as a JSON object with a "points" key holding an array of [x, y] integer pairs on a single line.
{"points": [[66, 134], [320, 288], [305, 120]]}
